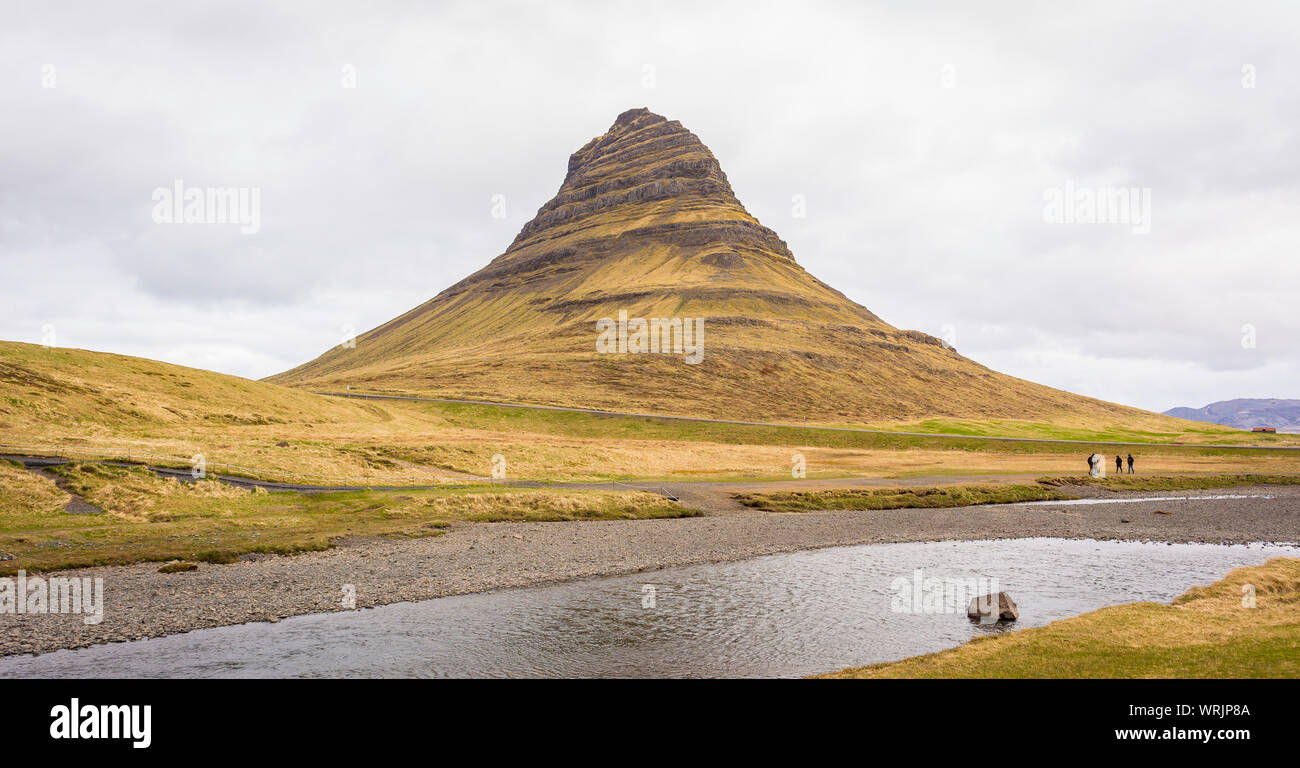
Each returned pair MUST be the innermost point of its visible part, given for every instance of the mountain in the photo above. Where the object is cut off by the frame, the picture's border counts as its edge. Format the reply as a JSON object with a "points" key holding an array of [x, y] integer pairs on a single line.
{"points": [[1246, 413], [646, 223]]}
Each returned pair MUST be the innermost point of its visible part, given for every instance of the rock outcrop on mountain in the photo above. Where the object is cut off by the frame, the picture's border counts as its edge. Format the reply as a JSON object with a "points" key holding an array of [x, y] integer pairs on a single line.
{"points": [[647, 226]]}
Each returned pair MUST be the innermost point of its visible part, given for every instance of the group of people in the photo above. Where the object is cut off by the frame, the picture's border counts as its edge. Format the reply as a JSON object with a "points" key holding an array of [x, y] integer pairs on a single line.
{"points": [[1094, 464]]}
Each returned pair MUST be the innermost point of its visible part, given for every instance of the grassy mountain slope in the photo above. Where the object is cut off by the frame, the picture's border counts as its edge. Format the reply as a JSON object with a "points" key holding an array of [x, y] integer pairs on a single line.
{"points": [[646, 222]]}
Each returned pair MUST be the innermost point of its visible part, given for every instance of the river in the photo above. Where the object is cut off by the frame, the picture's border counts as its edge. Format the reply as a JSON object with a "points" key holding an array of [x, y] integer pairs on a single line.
{"points": [[776, 616]]}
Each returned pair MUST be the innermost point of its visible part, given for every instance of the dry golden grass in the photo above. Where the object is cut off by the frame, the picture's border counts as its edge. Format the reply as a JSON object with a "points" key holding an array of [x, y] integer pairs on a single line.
{"points": [[86, 404], [139, 496], [24, 493], [1207, 632]]}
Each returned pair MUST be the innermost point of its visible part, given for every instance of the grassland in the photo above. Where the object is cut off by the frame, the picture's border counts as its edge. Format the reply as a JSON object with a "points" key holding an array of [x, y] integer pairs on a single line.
{"points": [[1093, 429], [976, 438], [28, 495], [1208, 632], [148, 518], [897, 498], [93, 405]]}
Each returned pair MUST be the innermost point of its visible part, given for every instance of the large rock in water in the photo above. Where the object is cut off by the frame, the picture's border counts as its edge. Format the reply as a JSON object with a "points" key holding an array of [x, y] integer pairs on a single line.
{"points": [[987, 606]]}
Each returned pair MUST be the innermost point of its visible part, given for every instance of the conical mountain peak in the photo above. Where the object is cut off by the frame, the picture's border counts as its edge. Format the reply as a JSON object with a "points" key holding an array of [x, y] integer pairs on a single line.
{"points": [[646, 145], [645, 225], [642, 158]]}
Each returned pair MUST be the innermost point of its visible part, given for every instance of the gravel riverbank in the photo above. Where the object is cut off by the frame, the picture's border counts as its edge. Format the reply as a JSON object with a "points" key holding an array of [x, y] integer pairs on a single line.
{"points": [[140, 602]]}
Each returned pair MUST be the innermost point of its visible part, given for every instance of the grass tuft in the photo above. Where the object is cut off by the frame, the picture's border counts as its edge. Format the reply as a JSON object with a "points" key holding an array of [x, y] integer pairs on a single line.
{"points": [[1170, 482], [898, 498], [178, 568]]}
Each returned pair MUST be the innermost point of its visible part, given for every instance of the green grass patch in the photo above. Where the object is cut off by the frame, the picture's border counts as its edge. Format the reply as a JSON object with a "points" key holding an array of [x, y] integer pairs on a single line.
{"points": [[152, 519], [514, 420], [898, 498], [1100, 433], [1169, 482]]}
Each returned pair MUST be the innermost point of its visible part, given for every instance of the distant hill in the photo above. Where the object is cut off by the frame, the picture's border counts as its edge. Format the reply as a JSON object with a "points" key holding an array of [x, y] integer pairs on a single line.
{"points": [[646, 223], [1246, 413]]}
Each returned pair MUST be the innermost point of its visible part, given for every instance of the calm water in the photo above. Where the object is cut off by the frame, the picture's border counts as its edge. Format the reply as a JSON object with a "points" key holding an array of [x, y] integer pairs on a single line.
{"points": [[782, 615]]}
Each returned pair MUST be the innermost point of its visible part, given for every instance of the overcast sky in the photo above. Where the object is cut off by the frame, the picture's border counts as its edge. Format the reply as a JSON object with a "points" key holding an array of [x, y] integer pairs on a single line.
{"points": [[924, 144]]}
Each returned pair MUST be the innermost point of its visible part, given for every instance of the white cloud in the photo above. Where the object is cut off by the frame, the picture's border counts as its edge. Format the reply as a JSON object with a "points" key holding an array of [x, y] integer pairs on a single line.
{"points": [[924, 202]]}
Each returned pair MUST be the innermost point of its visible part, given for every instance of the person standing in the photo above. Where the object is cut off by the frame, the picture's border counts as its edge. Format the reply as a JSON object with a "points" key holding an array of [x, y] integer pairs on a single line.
{"points": [[1130, 463], [1119, 464]]}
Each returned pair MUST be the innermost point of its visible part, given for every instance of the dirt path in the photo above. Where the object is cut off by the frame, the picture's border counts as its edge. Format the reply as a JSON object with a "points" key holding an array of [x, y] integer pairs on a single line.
{"points": [[76, 505]]}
